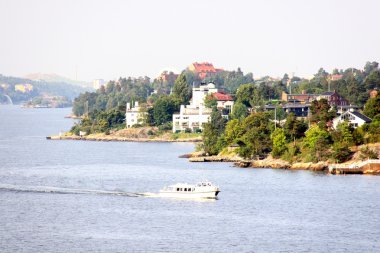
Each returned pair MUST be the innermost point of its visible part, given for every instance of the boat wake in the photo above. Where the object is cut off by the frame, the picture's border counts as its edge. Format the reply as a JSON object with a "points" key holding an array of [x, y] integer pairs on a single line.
{"points": [[58, 190]]}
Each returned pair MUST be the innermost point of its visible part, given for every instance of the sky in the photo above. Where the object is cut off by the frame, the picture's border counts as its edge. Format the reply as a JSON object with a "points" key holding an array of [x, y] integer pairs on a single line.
{"points": [[91, 39]]}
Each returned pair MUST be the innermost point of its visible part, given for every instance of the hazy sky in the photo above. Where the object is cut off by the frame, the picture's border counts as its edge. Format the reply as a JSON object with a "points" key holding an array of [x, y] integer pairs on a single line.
{"points": [[109, 38]]}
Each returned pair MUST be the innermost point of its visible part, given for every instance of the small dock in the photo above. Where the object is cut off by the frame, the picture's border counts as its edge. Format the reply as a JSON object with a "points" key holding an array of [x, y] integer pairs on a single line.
{"points": [[365, 167]]}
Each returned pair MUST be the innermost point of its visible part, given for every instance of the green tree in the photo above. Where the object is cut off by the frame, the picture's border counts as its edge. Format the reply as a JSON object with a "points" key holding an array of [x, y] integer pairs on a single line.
{"points": [[233, 131], [341, 152], [181, 89], [239, 111], [372, 107], [294, 128], [245, 94], [344, 133], [212, 131], [374, 129], [279, 142], [370, 66], [320, 111], [210, 101], [372, 81], [163, 109], [255, 139], [316, 144]]}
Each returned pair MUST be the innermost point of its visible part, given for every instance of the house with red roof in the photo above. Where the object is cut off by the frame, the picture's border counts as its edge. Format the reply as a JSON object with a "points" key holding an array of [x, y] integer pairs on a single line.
{"points": [[204, 69], [224, 101]]}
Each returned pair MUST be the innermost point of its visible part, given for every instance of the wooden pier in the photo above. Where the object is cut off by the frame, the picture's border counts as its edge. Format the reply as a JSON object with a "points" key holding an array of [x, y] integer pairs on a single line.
{"points": [[365, 167]]}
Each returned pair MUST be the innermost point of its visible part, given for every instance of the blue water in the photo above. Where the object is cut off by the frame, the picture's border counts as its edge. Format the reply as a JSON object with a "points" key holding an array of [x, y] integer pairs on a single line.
{"points": [[258, 210]]}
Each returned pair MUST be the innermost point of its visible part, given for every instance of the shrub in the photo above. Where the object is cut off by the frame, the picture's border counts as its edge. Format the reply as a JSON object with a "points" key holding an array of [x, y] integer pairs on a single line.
{"points": [[290, 153], [137, 125], [199, 147], [166, 126], [341, 152], [367, 153]]}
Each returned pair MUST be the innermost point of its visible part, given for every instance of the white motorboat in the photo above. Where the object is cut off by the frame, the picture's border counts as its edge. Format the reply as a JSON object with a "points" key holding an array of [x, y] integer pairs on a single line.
{"points": [[202, 189]]}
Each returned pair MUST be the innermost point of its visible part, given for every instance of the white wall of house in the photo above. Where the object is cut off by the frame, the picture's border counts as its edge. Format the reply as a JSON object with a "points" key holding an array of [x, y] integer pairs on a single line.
{"points": [[200, 93], [226, 104], [195, 115], [350, 118], [133, 115], [190, 118]]}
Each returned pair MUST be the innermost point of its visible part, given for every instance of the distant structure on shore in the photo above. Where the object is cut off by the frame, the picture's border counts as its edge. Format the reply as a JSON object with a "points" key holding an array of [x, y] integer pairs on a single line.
{"points": [[204, 69], [97, 83], [133, 115], [192, 117], [167, 77], [24, 88], [299, 104], [354, 118]]}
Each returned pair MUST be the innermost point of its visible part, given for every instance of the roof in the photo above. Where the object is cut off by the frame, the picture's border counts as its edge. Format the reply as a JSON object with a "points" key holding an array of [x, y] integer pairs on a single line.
{"points": [[222, 96], [336, 77], [361, 116], [204, 67], [328, 93]]}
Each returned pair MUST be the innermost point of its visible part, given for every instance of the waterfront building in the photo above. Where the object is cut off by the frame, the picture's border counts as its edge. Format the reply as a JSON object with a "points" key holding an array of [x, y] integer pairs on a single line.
{"points": [[355, 119], [133, 115], [192, 117]]}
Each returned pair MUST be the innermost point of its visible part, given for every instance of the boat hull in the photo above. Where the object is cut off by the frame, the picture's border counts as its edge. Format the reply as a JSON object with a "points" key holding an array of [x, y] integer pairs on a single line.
{"points": [[189, 195]]}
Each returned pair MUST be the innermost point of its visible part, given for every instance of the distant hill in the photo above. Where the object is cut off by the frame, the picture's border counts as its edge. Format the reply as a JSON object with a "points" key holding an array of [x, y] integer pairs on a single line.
{"points": [[55, 78], [20, 90]]}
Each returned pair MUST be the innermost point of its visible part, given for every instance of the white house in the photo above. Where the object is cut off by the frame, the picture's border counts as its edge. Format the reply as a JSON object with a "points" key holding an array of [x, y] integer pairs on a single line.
{"points": [[194, 115], [356, 119], [133, 115]]}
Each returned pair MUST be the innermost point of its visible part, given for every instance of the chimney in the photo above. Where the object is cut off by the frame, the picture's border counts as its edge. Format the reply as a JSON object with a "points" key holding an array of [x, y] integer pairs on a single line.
{"points": [[128, 106], [182, 109], [303, 92], [137, 104]]}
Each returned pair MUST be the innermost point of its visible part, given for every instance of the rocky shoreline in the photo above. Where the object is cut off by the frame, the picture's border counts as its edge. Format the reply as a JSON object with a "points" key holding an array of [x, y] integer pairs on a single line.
{"points": [[107, 138], [276, 163], [266, 163]]}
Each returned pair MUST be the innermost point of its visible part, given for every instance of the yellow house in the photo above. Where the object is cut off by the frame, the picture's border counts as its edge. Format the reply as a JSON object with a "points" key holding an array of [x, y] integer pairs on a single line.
{"points": [[24, 87]]}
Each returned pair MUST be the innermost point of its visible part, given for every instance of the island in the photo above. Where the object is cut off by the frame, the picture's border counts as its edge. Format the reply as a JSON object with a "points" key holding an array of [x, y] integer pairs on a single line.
{"points": [[290, 122]]}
